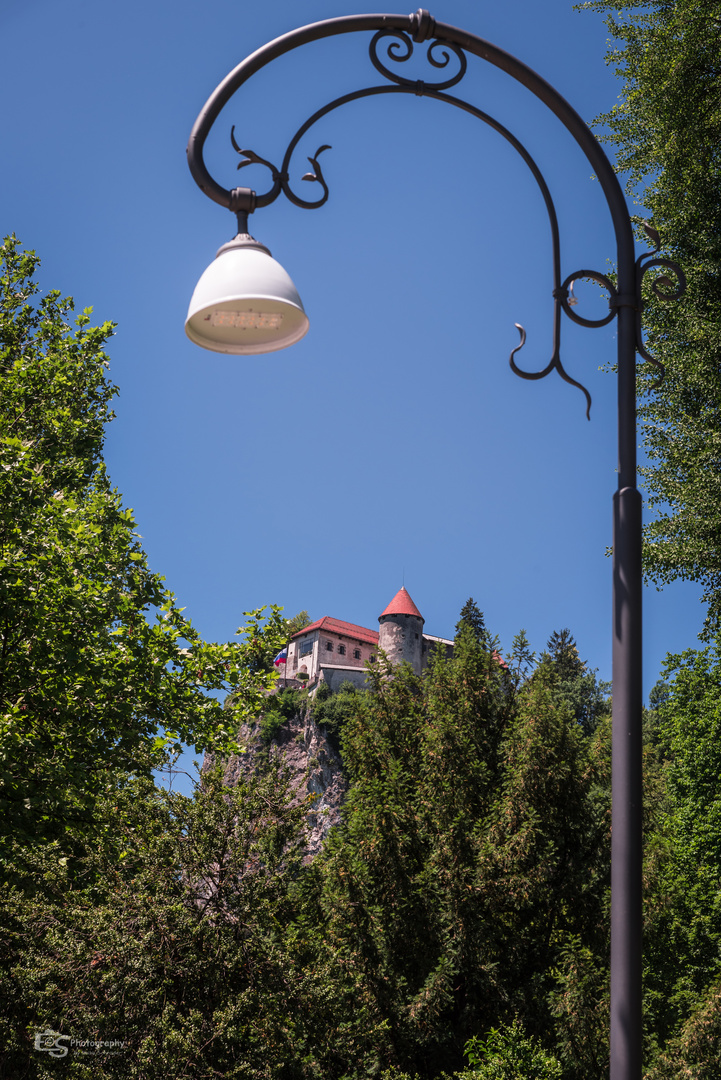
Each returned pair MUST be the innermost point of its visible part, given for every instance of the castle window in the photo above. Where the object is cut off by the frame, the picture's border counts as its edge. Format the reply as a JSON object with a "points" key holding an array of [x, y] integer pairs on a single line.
{"points": [[329, 646], [356, 654], [341, 650], [416, 637], [306, 647]]}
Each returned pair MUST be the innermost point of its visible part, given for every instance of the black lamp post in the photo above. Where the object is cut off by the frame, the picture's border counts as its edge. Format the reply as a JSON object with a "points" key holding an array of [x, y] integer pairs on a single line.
{"points": [[245, 302]]}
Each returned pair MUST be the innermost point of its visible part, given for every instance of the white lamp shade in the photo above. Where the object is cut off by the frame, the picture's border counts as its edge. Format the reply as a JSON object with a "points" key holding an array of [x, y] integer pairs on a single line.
{"points": [[245, 302]]}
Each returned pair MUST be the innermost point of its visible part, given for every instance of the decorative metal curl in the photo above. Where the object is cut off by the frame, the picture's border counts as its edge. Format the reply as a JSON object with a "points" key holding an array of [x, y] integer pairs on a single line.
{"points": [[644, 263], [251, 158], [554, 362], [564, 300], [280, 178], [568, 300], [317, 175], [401, 41]]}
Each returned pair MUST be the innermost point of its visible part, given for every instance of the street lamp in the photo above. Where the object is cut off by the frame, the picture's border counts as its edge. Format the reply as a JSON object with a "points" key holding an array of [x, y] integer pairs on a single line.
{"points": [[245, 302], [228, 313]]}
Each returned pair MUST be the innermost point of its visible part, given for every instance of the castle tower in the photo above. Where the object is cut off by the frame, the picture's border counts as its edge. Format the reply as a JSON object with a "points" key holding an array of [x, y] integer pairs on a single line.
{"points": [[401, 631]]}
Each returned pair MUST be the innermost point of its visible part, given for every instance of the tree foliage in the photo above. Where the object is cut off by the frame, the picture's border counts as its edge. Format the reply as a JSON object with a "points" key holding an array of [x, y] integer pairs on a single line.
{"points": [[297, 622], [683, 952], [472, 856], [180, 933], [332, 710], [461, 906], [579, 688], [472, 618], [509, 1054], [666, 131]]}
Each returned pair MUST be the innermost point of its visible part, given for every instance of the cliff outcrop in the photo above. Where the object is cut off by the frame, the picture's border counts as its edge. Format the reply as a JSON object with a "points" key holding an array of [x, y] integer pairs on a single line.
{"points": [[303, 749]]}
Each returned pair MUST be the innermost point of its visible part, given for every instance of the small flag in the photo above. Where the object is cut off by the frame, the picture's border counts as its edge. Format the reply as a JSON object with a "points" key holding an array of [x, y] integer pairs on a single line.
{"points": [[281, 657]]}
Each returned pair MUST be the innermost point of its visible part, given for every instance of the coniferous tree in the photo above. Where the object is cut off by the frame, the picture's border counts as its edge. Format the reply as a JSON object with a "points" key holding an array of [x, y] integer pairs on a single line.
{"points": [[472, 617], [586, 696], [187, 932], [563, 651], [472, 864]]}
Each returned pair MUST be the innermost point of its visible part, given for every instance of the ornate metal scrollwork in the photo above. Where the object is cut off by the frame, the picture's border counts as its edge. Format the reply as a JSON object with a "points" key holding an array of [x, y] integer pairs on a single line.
{"points": [[564, 300], [662, 287], [400, 49], [554, 363], [644, 263], [569, 301], [280, 179], [251, 158], [317, 175]]}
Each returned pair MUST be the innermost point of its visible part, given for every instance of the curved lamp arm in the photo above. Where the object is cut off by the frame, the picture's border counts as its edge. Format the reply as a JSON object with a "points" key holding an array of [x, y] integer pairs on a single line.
{"points": [[421, 27]]}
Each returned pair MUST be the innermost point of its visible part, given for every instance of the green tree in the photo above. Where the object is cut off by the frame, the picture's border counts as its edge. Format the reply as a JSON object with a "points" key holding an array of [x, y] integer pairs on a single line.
{"points": [[510, 1055], [99, 668], [658, 694], [279, 709], [472, 617], [332, 710], [695, 1051], [666, 131], [563, 652], [298, 622], [188, 930], [683, 934], [522, 659], [580, 689]]}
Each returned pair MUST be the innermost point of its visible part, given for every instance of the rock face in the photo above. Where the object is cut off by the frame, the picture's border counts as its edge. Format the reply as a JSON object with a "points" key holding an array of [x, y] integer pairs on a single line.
{"points": [[314, 768]]}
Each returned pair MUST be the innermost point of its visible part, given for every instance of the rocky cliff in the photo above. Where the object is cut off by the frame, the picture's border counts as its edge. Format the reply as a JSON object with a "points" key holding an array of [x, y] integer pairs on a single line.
{"points": [[314, 768]]}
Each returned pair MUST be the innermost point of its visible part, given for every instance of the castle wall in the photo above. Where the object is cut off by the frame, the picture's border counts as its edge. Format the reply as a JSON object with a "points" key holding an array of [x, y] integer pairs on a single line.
{"points": [[344, 651], [336, 676]]}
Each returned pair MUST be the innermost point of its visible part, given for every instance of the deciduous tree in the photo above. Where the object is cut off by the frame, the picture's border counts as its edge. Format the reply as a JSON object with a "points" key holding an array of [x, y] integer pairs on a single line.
{"points": [[666, 131], [99, 667]]}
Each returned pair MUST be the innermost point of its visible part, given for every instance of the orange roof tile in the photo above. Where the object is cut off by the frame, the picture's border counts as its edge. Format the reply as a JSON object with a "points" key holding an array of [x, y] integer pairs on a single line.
{"points": [[401, 604], [344, 629]]}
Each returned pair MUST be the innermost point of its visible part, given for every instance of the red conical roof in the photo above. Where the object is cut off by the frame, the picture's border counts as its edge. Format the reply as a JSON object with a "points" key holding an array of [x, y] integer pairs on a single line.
{"points": [[401, 604]]}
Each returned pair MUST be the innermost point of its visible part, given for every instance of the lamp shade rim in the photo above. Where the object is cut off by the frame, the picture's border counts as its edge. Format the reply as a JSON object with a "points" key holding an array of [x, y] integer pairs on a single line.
{"points": [[248, 350]]}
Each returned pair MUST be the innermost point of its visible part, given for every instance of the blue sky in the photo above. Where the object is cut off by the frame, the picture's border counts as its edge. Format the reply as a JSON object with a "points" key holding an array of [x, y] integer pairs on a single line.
{"points": [[393, 443]]}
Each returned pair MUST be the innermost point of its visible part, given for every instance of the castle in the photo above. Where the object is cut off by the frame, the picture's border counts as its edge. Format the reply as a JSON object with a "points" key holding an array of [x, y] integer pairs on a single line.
{"points": [[333, 651]]}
